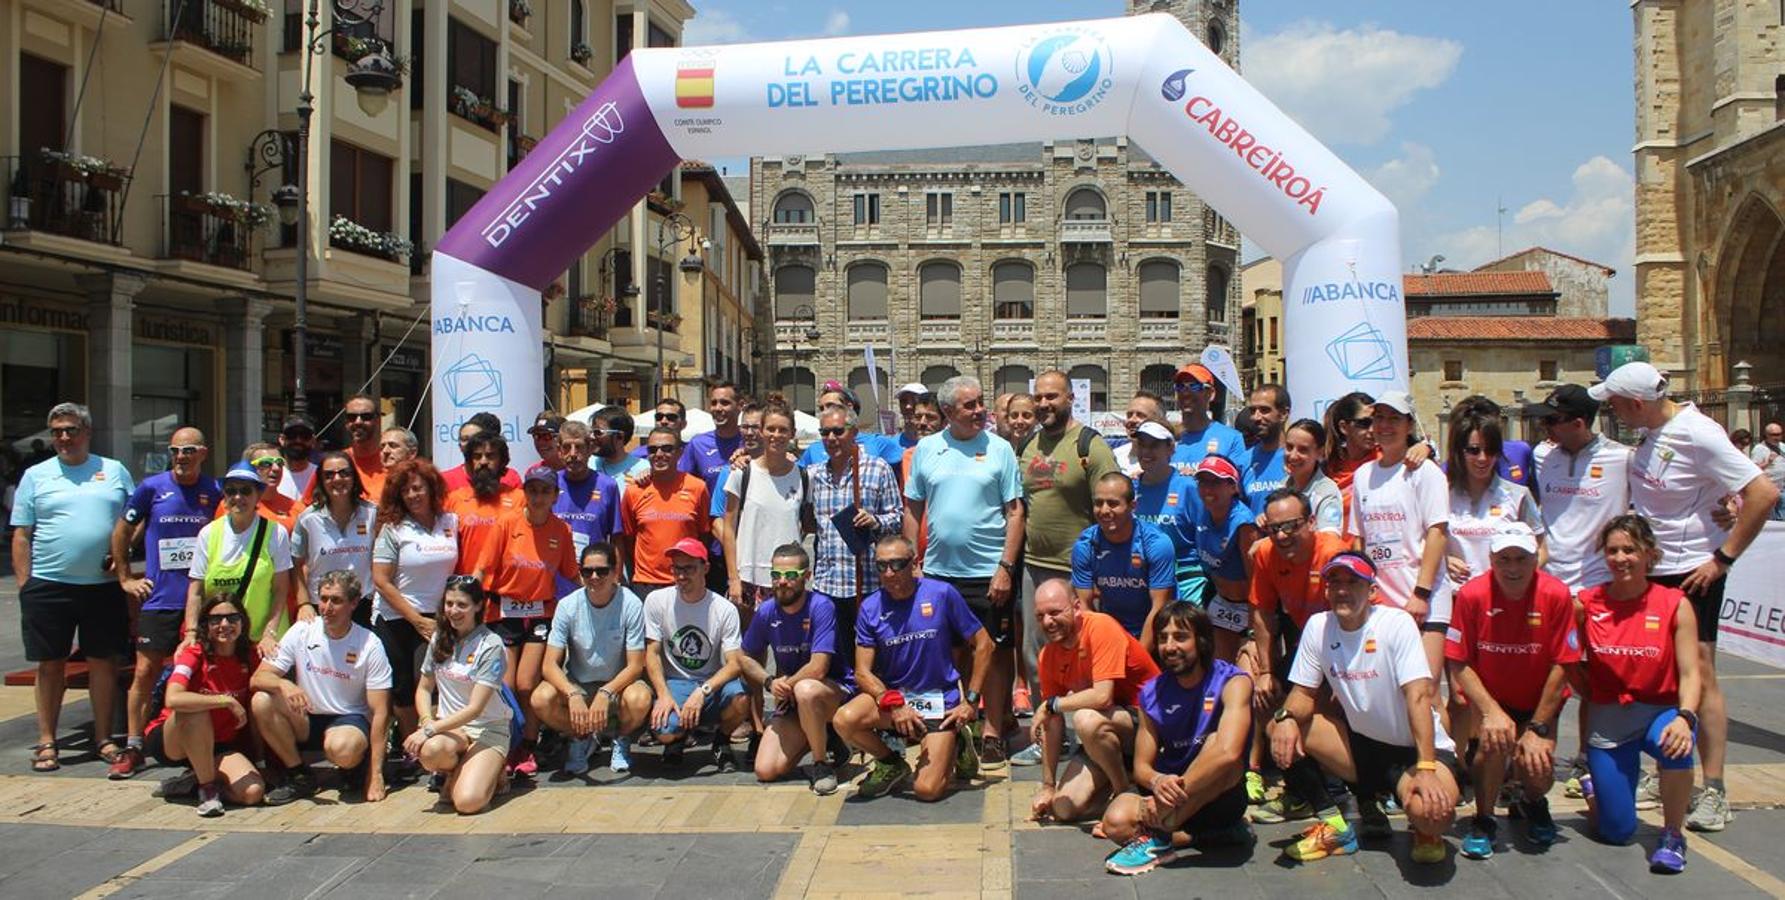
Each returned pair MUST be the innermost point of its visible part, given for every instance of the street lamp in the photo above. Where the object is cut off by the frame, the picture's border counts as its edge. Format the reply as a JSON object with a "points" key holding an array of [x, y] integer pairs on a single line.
{"points": [[978, 355], [674, 229], [620, 288], [372, 77], [805, 313]]}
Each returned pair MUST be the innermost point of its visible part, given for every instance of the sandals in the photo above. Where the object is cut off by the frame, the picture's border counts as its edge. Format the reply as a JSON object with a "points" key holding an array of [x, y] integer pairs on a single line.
{"points": [[110, 750], [45, 758]]}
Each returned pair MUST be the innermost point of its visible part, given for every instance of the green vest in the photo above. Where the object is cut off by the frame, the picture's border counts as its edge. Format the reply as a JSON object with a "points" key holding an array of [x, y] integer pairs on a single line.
{"points": [[226, 578]]}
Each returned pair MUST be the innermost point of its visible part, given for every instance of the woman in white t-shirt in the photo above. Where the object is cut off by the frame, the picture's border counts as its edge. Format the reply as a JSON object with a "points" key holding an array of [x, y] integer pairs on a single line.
{"points": [[1482, 503], [469, 741], [1401, 515], [765, 518], [415, 551], [334, 533]]}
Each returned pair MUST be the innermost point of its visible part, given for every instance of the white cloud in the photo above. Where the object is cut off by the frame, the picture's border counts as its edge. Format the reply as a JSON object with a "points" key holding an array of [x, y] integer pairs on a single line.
{"points": [[714, 26], [837, 23], [1342, 84], [1406, 179]]}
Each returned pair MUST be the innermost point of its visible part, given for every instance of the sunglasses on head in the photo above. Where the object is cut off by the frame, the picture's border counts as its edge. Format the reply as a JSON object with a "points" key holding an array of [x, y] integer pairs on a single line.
{"points": [[596, 571], [893, 565], [458, 581]]}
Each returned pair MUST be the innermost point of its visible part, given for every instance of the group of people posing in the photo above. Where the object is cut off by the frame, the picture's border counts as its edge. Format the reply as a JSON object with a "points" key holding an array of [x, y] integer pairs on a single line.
{"points": [[1179, 618]]}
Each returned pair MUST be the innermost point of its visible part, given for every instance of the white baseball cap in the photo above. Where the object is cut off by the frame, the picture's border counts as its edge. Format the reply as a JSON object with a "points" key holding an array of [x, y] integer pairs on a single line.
{"points": [[1513, 534], [1635, 380], [1154, 430], [915, 387], [1397, 400]]}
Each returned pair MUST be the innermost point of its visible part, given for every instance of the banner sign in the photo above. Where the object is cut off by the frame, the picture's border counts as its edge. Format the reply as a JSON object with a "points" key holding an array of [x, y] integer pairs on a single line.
{"points": [[1751, 623]]}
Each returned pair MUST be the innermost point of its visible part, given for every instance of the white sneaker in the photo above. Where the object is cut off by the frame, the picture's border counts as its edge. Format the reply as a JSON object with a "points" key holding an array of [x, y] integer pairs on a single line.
{"points": [[1710, 811], [1648, 791], [621, 759], [1028, 756]]}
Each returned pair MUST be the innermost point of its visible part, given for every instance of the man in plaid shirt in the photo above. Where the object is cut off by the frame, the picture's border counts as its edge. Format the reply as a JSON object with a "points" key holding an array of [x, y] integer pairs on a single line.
{"points": [[850, 478]]}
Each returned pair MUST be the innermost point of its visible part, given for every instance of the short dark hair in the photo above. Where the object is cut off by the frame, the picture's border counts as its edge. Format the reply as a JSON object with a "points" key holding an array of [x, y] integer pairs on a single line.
{"points": [[792, 549], [1279, 394], [613, 418], [1189, 616], [681, 408], [486, 421], [669, 431], [1127, 483], [1285, 493]]}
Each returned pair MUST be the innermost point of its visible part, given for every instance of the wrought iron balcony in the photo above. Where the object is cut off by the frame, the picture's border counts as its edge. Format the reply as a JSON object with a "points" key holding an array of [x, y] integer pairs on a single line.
{"points": [[227, 28], [68, 197], [590, 316], [204, 232]]}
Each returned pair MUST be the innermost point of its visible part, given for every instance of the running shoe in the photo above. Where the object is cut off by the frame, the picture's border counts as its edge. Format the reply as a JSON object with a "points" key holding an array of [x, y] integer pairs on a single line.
{"points": [[1019, 702], [722, 758], [182, 784], [528, 765], [1372, 822], [576, 755], [210, 801], [620, 756], [672, 753], [128, 763], [824, 779], [298, 784], [883, 777], [1284, 808], [1254, 788], [1571, 781], [1322, 840], [1539, 826], [837, 749], [1648, 791], [991, 753], [1479, 842], [1429, 848], [966, 754], [1669, 857], [1028, 756], [1710, 811], [1141, 855]]}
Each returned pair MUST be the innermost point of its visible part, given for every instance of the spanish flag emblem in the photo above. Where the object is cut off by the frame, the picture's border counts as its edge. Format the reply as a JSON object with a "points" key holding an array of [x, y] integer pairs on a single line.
{"points": [[694, 85], [1208, 705], [1369, 645]]}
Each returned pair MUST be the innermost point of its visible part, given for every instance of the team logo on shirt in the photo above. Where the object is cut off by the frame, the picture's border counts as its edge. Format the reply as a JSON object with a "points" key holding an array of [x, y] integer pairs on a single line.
{"points": [[551, 543], [1135, 561], [1208, 705], [1369, 645], [352, 657], [470, 657], [1171, 499], [1517, 472], [1534, 618], [1595, 471], [979, 457], [926, 609], [204, 500], [1495, 510], [1652, 623], [99, 475], [360, 528], [595, 494], [1214, 446]]}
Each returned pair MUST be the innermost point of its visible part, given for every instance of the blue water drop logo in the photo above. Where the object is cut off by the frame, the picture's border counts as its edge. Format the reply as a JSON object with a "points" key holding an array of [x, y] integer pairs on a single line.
{"points": [[1173, 88]]}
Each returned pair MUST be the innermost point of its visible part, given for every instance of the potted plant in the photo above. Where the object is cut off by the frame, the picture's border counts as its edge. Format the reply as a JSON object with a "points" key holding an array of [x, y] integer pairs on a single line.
{"points": [[519, 11], [581, 53]]}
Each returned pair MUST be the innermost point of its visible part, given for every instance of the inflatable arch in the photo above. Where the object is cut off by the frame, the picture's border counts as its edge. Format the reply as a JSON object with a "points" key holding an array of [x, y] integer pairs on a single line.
{"points": [[1143, 76]]}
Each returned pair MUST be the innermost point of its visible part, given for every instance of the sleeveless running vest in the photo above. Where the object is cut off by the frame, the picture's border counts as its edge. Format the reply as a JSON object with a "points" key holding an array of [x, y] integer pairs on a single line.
{"points": [[1184, 717], [1629, 646], [225, 578]]}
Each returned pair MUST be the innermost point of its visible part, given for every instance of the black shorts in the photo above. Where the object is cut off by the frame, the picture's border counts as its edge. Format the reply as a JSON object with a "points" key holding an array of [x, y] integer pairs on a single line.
{"points": [[999, 621], [1708, 605], [155, 747], [1225, 811], [362, 612], [401, 645], [1380, 766], [515, 632], [52, 612], [159, 630], [1290, 636], [320, 723]]}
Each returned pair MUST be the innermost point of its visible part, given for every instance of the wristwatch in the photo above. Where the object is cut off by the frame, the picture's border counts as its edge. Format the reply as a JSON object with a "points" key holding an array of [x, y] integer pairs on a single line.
{"points": [[1053, 705], [1007, 566], [972, 698], [1281, 714], [1541, 729], [1691, 718]]}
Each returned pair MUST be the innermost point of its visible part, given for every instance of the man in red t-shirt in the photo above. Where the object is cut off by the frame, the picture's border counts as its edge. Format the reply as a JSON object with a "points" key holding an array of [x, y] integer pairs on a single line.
{"points": [[481, 504], [363, 429], [1091, 671], [659, 509], [1511, 635]]}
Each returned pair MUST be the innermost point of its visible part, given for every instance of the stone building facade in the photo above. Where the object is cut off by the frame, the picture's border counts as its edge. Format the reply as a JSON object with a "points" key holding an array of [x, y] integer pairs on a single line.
{"points": [[1710, 188], [999, 261], [1582, 286]]}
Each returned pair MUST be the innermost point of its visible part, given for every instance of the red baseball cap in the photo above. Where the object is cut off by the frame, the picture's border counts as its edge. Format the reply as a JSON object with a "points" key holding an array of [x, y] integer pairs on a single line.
{"points": [[1218, 466], [690, 547], [1353, 563]]}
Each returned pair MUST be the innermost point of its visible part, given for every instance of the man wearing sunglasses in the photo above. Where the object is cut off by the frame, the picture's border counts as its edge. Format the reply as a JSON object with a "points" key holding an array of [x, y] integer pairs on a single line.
{"points": [[166, 511], [594, 674], [905, 637], [669, 413], [610, 429], [1198, 432], [363, 427], [660, 511], [692, 650], [297, 443], [544, 433], [63, 516], [860, 487], [812, 678]]}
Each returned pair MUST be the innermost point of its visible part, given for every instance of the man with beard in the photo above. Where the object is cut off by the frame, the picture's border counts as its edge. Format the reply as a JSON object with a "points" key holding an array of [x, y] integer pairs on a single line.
{"points": [[670, 413], [588, 501], [1091, 675], [1199, 433], [480, 504], [610, 430], [545, 439], [297, 443], [800, 627], [1261, 469], [396, 445], [1059, 463], [484, 423], [361, 416], [1195, 725]]}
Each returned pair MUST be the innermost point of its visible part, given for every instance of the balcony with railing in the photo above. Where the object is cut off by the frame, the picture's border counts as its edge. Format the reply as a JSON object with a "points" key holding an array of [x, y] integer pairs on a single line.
{"points": [[1013, 331], [795, 332], [590, 316], [868, 331], [1087, 330], [226, 28], [1087, 231], [211, 231], [1159, 331], [793, 234], [1217, 230], [939, 331], [67, 195]]}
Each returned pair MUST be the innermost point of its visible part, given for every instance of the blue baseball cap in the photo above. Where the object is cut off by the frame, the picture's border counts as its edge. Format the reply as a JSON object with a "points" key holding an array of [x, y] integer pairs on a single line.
{"points": [[244, 472]]}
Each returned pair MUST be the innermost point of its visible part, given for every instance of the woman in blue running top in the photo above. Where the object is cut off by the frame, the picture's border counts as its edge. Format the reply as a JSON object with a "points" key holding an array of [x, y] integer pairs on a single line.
{"points": [[1224, 533]]}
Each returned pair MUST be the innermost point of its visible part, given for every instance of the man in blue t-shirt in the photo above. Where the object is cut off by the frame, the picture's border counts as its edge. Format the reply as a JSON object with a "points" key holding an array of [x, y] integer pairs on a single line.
{"points": [[811, 678], [1195, 731], [165, 511], [592, 679], [905, 635], [1121, 566], [1199, 434], [1261, 466], [63, 514], [708, 455], [588, 501], [884, 446]]}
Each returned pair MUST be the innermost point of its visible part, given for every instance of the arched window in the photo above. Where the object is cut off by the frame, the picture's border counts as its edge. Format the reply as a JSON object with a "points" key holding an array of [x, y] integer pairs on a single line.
{"points": [[1012, 379], [1099, 380], [1013, 291], [939, 290], [933, 376], [867, 292], [799, 386], [1217, 296], [864, 391], [1087, 291], [794, 208], [1217, 38], [579, 27], [796, 289], [1158, 378], [1086, 204], [1159, 289]]}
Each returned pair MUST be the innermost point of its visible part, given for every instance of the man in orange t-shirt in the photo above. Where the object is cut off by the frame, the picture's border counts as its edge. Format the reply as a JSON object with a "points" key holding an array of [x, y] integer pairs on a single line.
{"points": [[481, 504], [659, 509], [363, 431], [1286, 588], [1091, 671]]}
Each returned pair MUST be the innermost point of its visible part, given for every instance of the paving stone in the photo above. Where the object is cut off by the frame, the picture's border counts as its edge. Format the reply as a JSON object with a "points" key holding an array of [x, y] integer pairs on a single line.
{"points": [[961, 807]]}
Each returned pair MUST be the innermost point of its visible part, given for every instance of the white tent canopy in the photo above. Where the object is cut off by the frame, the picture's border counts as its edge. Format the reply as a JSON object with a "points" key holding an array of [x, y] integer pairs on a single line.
{"points": [[805, 425]]}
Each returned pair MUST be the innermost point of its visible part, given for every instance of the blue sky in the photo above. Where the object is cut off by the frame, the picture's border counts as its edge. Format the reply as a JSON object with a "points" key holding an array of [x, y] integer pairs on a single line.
{"points": [[1452, 109]]}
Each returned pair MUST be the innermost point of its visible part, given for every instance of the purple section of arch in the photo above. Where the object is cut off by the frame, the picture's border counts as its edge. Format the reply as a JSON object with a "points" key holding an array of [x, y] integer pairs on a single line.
{"points": [[579, 181]]}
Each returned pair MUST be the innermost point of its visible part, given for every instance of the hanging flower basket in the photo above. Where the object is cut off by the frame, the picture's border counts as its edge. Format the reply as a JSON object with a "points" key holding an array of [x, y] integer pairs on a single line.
{"points": [[581, 53]]}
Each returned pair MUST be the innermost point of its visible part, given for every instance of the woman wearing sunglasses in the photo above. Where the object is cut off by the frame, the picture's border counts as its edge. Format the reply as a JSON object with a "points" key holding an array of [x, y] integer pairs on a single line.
{"points": [[205, 721], [335, 533], [270, 466], [416, 551], [466, 738], [247, 555], [1481, 502]]}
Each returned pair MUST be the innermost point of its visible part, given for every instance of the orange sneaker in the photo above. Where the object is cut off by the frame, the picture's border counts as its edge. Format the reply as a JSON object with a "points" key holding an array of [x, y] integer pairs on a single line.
{"points": [[1322, 840]]}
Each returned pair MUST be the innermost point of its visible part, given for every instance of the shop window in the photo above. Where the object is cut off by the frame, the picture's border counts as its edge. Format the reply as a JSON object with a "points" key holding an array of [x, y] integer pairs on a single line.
{"points": [[169, 390], [38, 369]]}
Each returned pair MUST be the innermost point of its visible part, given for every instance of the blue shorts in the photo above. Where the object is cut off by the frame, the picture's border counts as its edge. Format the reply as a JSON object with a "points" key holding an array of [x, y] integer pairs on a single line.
{"points": [[320, 723], [680, 689]]}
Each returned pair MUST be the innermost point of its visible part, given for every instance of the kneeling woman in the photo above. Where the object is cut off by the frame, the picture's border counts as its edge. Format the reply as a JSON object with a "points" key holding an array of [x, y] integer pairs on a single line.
{"points": [[470, 740], [1639, 673], [205, 724]]}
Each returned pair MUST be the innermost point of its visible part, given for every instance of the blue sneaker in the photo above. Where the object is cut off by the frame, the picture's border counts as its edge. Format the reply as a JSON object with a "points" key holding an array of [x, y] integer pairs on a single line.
{"points": [[1669, 857], [1540, 827], [621, 760], [1143, 854], [576, 755], [1479, 843]]}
